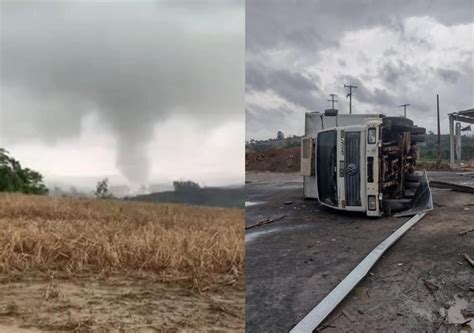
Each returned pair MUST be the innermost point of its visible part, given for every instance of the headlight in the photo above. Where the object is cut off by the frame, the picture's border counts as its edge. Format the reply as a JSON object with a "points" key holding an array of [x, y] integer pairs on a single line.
{"points": [[372, 202], [372, 135]]}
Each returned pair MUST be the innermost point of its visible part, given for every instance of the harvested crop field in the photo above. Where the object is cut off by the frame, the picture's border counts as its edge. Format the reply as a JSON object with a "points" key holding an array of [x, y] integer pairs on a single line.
{"points": [[80, 264]]}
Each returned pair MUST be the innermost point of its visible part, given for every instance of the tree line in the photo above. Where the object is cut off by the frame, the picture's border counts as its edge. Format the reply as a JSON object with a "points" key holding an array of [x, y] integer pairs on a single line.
{"points": [[429, 150]]}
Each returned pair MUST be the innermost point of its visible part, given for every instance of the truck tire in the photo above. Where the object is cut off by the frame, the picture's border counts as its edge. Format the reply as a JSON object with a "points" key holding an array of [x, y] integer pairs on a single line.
{"points": [[395, 205], [412, 185], [417, 138], [418, 130], [398, 124], [331, 112], [413, 177]]}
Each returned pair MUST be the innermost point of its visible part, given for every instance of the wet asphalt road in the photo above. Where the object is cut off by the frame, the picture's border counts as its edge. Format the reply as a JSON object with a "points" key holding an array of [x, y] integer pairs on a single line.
{"points": [[292, 263]]}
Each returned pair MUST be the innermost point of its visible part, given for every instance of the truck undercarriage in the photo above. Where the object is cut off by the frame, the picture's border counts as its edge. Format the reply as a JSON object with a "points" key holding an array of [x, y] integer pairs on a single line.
{"points": [[403, 189]]}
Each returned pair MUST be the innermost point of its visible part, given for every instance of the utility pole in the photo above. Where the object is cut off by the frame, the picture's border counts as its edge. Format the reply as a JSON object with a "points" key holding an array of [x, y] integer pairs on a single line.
{"points": [[333, 100], [404, 106], [439, 132], [350, 96]]}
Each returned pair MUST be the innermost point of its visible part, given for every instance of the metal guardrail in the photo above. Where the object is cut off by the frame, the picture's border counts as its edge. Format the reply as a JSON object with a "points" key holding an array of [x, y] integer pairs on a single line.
{"points": [[452, 186], [314, 318]]}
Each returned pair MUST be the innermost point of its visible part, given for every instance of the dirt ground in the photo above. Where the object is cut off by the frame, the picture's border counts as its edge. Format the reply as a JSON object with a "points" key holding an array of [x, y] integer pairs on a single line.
{"points": [[86, 304], [274, 160], [288, 160], [422, 283]]}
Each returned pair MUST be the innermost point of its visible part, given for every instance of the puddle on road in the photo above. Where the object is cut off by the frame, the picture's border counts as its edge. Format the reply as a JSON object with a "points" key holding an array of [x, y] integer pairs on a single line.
{"points": [[289, 185], [253, 203], [454, 313], [253, 235]]}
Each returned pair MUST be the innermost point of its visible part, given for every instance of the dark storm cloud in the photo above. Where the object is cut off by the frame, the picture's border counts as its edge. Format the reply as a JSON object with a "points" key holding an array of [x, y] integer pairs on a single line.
{"points": [[316, 24], [290, 37], [292, 86], [378, 97], [448, 75], [133, 64], [394, 71]]}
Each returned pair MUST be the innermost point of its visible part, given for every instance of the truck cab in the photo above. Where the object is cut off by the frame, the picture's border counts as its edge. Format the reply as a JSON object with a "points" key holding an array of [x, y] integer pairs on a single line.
{"points": [[363, 163]]}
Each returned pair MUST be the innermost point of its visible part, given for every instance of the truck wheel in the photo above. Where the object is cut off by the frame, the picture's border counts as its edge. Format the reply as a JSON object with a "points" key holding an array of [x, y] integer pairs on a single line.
{"points": [[417, 138], [412, 185], [413, 177], [418, 130], [331, 112], [398, 124], [395, 205]]}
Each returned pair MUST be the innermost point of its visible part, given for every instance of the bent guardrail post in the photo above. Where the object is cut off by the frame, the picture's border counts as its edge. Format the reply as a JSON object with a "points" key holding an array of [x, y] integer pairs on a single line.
{"points": [[312, 320]]}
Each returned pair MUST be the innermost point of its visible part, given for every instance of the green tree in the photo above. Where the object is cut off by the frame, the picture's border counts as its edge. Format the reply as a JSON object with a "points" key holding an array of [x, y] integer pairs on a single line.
{"points": [[102, 189], [14, 178], [185, 186]]}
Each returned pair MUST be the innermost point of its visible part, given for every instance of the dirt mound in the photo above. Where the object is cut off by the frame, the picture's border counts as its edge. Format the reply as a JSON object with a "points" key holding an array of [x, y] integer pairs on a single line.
{"points": [[288, 160], [274, 160]]}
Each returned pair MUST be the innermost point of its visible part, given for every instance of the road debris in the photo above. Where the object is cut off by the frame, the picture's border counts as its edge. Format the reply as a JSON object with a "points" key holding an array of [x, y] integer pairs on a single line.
{"points": [[468, 259], [329, 323], [466, 231], [466, 322], [430, 285], [348, 316], [456, 312], [469, 311], [263, 222]]}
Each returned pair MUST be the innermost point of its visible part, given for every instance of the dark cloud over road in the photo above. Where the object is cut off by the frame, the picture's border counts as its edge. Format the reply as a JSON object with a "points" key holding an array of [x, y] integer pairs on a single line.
{"points": [[396, 52]]}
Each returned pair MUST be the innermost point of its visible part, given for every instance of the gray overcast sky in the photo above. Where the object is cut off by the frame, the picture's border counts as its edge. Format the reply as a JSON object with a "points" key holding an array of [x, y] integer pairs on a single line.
{"points": [[141, 92], [396, 52]]}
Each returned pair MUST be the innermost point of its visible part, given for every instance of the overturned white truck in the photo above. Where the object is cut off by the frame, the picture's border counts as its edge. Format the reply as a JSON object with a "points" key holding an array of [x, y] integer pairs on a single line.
{"points": [[364, 162]]}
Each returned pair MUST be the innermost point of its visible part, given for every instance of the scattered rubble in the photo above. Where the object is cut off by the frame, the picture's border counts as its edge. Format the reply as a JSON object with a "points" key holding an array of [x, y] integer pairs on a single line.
{"points": [[263, 222]]}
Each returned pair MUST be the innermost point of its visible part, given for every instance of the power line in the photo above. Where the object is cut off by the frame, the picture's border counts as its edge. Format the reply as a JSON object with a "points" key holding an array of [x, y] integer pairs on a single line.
{"points": [[333, 100], [404, 106], [350, 96]]}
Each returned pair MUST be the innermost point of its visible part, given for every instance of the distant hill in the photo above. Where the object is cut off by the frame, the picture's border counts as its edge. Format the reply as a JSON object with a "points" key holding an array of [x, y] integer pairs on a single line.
{"points": [[207, 196]]}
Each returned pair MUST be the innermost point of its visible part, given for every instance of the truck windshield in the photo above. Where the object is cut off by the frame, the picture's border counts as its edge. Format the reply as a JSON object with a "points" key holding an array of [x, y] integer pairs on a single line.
{"points": [[326, 167]]}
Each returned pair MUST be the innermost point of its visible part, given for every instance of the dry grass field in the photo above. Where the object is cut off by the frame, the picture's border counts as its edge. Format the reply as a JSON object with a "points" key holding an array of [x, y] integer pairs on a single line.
{"points": [[113, 265]]}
